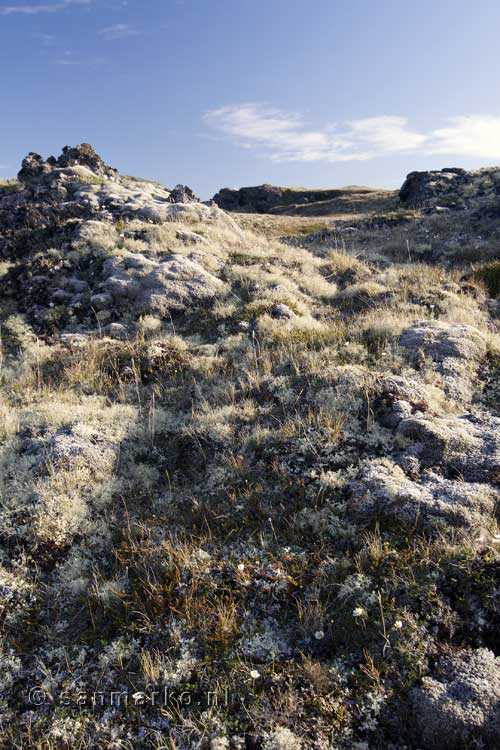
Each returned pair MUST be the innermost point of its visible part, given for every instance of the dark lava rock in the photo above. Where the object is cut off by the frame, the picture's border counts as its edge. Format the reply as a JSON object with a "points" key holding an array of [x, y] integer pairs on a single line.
{"points": [[265, 199], [452, 188]]}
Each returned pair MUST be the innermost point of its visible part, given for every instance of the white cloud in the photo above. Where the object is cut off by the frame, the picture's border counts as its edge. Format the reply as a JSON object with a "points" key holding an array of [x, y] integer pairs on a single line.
{"points": [[385, 133], [473, 135], [46, 39], [30, 9], [284, 136], [280, 135], [118, 31]]}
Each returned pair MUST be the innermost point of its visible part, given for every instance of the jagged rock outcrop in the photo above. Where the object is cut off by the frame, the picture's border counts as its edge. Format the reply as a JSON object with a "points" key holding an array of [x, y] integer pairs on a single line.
{"points": [[78, 186], [78, 204], [183, 194], [459, 706], [34, 168], [454, 189]]}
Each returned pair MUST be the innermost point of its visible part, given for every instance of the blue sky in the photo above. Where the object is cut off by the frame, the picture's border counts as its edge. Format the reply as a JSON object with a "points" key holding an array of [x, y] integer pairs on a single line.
{"points": [[216, 93]]}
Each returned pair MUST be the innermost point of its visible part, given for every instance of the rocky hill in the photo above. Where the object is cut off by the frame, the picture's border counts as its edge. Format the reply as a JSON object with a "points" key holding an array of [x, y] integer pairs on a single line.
{"points": [[269, 199], [249, 485], [454, 189]]}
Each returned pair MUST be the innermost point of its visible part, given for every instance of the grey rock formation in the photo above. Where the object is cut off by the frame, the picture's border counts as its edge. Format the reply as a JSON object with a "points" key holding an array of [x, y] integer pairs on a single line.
{"points": [[139, 285], [64, 448], [453, 188], [468, 445], [454, 350], [183, 194], [282, 312], [76, 201], [85, 156], [396, 398], [383, 489], [459, 706]]}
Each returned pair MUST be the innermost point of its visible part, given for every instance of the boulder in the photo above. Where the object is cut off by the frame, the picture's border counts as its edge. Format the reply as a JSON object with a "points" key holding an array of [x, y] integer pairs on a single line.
{"points": [[32, 168], [458, 708], [141, 285], [421, 189], [454, 350], [434, 503], [282, 312], [468, 445], [183, 194]]}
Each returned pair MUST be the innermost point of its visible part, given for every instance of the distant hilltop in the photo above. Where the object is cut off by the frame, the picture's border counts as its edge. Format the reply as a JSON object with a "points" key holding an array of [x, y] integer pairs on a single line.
{"points": [[271, 199]]}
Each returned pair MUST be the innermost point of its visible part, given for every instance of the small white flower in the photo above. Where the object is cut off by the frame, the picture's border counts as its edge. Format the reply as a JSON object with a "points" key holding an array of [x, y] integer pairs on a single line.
{"points": [[319, 635], [241, 567], [398, 624], [254, 674], [358, 612]]}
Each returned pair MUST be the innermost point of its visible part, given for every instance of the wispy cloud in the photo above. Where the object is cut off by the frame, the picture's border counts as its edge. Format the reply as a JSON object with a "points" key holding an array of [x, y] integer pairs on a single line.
{"points": [[285, 136], [118, 31], [46, 39], [472, 135], [34, 9], [67, 59]]}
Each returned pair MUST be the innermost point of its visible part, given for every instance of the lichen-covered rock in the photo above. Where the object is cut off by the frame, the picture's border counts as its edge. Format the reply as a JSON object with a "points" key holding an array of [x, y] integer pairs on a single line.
{"points": [[80, 186], [282, 312], [143, 285], [263, 641], [455, 351], [383, 489], [190, 238], [453, 189], [282, 738], [34, 168], [468, 445], [459, 706], [86, 156], [397, 398], [183, 194], [425, 189], [65, 448], [396, 388]]}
